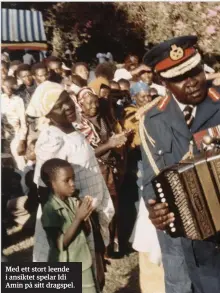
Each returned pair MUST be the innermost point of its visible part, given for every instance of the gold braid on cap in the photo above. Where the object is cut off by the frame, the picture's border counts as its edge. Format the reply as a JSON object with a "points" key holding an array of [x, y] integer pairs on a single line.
{"points": [[144, 133], [183, 67]]}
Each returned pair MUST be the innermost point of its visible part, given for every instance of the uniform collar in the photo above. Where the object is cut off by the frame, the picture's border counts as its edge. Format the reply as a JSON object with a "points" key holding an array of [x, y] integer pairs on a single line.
{"points": [[171, 113], [182, 107]]}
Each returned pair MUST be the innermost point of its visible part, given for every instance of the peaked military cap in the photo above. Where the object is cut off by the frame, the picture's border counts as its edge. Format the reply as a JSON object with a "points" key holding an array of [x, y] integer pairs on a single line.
{"points": [[173, 57]]}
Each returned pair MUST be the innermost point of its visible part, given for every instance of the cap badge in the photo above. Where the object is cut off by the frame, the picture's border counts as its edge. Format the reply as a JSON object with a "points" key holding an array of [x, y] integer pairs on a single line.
{"points": [[176, 53]]}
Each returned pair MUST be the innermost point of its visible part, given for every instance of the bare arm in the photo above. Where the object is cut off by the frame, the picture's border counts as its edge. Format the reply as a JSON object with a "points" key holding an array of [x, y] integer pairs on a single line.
{"points": [[211, 76], [113, 142], [140, 68], [102, 149]]}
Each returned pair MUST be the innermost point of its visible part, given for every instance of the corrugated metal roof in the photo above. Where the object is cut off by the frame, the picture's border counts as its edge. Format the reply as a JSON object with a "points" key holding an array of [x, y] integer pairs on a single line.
{"points": [[22, 26]]}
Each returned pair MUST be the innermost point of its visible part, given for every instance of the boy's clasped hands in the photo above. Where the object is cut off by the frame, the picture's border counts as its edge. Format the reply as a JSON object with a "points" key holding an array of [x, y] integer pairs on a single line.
{"points": [[85, 208]]}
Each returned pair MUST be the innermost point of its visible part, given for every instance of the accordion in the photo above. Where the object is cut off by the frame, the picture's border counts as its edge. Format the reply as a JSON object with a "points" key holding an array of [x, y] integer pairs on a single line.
{"points": [[192, 191]]}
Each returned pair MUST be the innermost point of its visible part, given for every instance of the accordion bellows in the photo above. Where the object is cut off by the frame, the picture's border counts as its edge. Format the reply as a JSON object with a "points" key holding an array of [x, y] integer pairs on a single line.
{"points": [[192, 191]]}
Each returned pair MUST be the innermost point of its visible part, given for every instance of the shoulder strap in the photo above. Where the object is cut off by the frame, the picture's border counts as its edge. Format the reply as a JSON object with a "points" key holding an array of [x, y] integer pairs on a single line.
{"points": [[144, 136]]}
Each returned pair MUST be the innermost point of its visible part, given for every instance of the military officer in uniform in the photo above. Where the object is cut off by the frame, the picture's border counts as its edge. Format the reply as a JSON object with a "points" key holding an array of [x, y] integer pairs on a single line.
{"points": [[189, 107]]}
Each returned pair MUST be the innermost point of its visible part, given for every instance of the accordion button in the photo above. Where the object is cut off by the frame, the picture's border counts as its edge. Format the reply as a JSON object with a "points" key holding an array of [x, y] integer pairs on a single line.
{"points": [[161, 195], [173, 230], [160, 190], [171, 225], [158, 185], [163, 200]]}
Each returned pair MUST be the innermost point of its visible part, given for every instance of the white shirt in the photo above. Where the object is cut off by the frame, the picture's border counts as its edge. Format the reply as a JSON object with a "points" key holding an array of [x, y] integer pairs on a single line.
{"points": [[109, 56], [101, 57], [182, 107], [28, 59], [122, 73], [13, 117]]}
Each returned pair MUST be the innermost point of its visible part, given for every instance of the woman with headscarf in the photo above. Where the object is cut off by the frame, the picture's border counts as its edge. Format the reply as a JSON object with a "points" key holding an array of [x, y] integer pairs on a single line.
{"points": [[140, 95], [61, 140], [103, 138]]}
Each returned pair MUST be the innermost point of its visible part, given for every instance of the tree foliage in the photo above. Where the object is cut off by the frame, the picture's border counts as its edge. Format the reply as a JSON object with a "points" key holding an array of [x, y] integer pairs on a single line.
{"points": [[65, 23], [91, 27], [163, 20]]}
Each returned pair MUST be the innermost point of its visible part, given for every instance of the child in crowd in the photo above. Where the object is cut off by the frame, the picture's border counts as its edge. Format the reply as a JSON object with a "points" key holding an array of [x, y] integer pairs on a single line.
{"points": [[65, 220], [124, 84], [14, 128]]}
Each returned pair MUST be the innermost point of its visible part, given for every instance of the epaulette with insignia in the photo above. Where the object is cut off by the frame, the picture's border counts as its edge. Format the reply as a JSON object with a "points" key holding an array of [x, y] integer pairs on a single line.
{"points": [[143, 110], [214, 94], [164, 102]]}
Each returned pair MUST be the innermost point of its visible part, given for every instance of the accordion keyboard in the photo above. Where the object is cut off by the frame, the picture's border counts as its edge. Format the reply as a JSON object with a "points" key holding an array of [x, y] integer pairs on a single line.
{"points": [[192, 191], [182, 203]]}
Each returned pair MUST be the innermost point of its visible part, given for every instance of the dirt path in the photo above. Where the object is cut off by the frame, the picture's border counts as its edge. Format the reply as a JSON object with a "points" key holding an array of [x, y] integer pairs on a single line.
{"points": [[122, 275]]}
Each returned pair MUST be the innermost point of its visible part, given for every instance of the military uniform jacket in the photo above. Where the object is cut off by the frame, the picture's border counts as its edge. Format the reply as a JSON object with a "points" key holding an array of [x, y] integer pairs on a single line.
{"points": [[166, 125], [60, 216]]}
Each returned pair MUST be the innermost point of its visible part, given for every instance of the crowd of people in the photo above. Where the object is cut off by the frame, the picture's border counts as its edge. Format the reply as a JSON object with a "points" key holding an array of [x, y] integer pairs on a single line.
{"points": [[50, 111], [73, 156]]}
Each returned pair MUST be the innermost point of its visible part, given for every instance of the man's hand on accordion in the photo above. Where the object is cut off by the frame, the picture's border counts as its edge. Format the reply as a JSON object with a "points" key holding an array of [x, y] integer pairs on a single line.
{"points": [[159, 214]]}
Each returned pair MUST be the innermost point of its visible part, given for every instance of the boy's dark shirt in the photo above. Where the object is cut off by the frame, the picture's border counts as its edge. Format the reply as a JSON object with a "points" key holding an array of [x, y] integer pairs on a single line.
{"points": [[26, 92]]}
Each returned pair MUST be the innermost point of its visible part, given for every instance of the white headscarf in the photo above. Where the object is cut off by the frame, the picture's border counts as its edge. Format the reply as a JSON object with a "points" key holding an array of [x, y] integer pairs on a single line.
{"points": [[44, 99]]}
